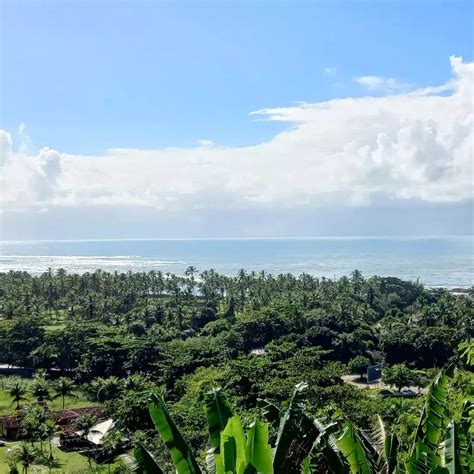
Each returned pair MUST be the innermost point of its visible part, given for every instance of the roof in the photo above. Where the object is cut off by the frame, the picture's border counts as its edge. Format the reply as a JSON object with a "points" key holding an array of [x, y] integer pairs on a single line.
{"points": [[98, 431], [62, 418], [10, 422]]}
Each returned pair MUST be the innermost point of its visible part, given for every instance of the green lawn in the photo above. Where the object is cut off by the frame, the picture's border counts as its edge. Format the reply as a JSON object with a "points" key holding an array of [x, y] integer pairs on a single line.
{"points": [[70, 463]]}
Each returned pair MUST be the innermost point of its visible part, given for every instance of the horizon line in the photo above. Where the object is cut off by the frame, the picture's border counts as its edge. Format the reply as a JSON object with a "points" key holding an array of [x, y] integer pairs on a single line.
{"points": [[316, 237]]}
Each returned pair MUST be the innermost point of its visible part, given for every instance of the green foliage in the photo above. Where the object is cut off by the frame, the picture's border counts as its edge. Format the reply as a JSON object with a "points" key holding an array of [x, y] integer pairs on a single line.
{"points": [[124, 336], [359, 364], [296, 434], [64, 387], [426, 451], [17, 392], [398, 375], [458, 450], [146, 462], [352, 448], [178, 447], [242, 454], [218, 413]]}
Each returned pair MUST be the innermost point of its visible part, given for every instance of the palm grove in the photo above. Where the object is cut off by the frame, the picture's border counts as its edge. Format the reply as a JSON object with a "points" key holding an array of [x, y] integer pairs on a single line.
{"points": [[119, 339]]}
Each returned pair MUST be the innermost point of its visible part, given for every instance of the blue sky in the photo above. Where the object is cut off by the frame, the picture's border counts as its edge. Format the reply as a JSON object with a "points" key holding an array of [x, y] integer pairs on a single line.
{"points": [[88, 76], [235, 119]]}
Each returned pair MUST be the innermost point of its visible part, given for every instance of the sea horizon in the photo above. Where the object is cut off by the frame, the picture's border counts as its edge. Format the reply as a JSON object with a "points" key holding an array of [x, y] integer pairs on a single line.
{"points": [[310, 237], [434, 260]]}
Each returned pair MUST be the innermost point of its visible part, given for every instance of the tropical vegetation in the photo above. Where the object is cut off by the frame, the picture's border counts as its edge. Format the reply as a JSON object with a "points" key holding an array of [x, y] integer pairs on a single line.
{"points": [[119, 340]]}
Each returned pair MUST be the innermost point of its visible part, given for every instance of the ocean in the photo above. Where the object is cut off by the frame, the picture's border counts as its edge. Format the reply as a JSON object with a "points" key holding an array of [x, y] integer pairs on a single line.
{"points": [[435, 261]]}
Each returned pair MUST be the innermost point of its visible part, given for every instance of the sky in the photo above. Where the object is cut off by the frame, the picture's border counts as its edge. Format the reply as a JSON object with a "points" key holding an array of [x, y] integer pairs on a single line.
{"points": [[235, 119]]}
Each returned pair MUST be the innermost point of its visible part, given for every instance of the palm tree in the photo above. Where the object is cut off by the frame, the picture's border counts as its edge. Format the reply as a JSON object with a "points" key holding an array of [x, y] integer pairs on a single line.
{"points": [[134, 382], [40, 390], [48, 430], [105, 388], [190, 271], [40, 374], [17, 393], [64, 388], [84, 424], [26, 456], [32, 421], [111, 445]]}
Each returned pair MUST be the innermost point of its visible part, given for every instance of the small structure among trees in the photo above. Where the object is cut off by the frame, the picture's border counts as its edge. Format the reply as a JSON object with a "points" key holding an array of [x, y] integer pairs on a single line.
{"points": [[13, 427]]}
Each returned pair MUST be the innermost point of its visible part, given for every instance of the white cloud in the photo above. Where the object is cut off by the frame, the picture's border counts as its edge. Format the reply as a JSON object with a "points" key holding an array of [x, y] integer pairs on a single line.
{"points": [[23, 138], [205, 143], [5, 147], [351, 151], [387, 85], [330, 70]]}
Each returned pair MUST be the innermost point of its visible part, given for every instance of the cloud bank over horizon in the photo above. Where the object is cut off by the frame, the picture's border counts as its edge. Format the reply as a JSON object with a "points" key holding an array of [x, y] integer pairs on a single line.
{"points": [[352, 152]]}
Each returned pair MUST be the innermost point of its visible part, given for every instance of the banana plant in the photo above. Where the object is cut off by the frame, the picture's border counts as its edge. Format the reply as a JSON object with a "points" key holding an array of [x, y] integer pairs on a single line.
{"points": [[180, 451], [302, 442], [218, 413], [426, 453], [458, 455], [145, 461], [325, 453], [297, 432], [351, 446], [240, 454], [346, 449], [232, 451]]}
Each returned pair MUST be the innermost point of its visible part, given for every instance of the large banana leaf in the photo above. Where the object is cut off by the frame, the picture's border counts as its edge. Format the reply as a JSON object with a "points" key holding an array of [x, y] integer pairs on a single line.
{"points": [[425, 454], [306, 465], [452, 449], [381, 448], [352, 448], [145, 462], [232, 451], [391, 452], [379, 434], [326, 444], [458, 446], [270, 411], [180, 451], [218, 412], [466, 441], [258, 450], [296, 435], [239, 454]]}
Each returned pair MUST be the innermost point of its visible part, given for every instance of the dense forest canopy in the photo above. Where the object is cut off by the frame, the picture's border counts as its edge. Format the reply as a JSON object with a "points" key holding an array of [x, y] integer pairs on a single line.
{"points": [[138, 321], [123, 336]]}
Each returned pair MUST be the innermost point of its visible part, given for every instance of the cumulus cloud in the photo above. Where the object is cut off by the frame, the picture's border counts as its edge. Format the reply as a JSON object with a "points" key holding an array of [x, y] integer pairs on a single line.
{"points": [[348, 152]]}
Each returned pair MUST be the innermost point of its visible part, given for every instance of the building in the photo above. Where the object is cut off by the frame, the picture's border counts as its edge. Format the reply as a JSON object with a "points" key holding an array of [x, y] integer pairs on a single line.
{"points": [[10, 426]]}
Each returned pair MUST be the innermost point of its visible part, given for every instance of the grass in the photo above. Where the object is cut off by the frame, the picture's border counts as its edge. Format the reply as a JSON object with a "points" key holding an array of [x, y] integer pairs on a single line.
{"points": [[7, 408], [71, 463]]}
